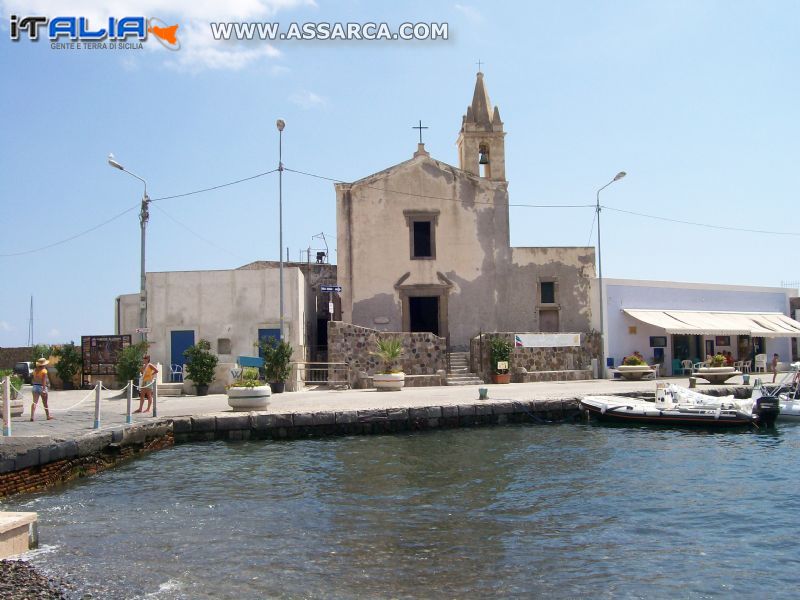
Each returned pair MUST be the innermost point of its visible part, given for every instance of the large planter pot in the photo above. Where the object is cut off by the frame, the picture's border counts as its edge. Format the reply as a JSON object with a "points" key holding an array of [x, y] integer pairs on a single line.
{"points": [[389, 382], [501, 377], [202, 390], [254, 398], [634, 372], [716, 375], [278, 387]]}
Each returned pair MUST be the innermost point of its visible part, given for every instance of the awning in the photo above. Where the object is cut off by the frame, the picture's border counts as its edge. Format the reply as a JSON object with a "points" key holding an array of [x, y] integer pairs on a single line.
{"points": [[692, 322]]}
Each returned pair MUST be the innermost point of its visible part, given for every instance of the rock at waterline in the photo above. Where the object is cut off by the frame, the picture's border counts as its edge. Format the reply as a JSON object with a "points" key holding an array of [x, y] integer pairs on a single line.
{"points": [[20, 581]]}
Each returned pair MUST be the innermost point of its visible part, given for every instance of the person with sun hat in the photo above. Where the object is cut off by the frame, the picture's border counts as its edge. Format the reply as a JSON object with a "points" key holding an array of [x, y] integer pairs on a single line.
{"points": [[41, 382]]}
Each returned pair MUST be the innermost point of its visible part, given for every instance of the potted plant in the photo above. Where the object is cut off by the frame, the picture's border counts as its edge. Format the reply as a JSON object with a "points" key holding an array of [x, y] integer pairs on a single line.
{"points": [[248, 392], [200, 365], [68, 365], [129, 363], [500, 352], [277, 358], [392, 377], [634, 367]]}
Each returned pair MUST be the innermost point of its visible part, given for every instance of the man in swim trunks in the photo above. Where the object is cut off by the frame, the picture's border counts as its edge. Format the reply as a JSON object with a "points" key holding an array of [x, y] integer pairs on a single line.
{"points": [[40, 382]]}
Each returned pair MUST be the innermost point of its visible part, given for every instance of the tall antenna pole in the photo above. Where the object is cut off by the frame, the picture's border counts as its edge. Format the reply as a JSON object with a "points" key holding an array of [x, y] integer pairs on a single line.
{"points": [[280, 124], [30, 324]]}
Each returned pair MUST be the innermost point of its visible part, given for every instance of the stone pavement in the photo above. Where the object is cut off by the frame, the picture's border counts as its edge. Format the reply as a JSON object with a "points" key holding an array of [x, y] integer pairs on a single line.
{"points": [[79, 419]]}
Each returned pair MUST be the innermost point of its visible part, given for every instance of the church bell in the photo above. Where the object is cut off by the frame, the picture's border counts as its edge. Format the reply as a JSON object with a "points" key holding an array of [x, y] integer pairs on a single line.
{"points": [[483, 159]]}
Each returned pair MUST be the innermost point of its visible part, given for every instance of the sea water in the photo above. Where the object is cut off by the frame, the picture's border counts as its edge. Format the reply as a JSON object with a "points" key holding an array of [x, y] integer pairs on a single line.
{"points": [[560, 511]]}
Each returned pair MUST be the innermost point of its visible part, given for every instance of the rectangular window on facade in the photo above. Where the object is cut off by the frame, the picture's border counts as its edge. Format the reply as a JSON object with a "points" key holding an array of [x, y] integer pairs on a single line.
{"points": [[223, 346], [423, 248], [548, 292]]}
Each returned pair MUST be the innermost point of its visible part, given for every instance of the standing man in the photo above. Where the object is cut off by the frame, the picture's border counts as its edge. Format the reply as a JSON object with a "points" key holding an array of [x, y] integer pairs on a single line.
{"points": [[774, 367]]}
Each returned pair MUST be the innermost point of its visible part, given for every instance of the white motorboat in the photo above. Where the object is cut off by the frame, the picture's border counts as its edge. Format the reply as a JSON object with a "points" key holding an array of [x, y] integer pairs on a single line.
{"points": [[675, 405], [789, 395]]}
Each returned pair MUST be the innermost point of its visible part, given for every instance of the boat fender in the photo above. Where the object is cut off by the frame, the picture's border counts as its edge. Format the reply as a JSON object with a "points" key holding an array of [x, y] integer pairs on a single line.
{"points": [[718, 412]]}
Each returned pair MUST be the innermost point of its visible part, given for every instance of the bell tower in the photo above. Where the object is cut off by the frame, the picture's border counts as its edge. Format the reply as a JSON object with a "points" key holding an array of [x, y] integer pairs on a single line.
{"points": [[481, 149]]}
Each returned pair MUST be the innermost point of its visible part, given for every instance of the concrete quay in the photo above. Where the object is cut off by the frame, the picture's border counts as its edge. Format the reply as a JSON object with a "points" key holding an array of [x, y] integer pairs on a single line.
{"points": [[43, 453]]}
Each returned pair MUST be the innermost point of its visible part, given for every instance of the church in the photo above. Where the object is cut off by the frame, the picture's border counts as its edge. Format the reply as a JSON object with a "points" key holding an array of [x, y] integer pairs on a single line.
{"points": [[425, 246]]}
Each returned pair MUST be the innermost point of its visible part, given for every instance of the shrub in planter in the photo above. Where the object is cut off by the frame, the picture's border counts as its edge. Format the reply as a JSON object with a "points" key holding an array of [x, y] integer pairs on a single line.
{"points": [[200, 365], [277, 358], [129, 363], [248, 392], [68, 365], [634, 360], [718, 360], [500, 351], [391, 377]]}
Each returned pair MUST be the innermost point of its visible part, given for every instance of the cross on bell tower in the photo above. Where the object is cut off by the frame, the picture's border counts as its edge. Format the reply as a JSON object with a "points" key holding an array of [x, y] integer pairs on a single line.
{"points": [[481, 147]]}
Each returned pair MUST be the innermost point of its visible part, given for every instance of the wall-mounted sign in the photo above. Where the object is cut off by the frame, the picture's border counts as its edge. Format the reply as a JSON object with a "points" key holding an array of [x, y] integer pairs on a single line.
{"points": [[330, 288], [101, 353], [546, 340]]}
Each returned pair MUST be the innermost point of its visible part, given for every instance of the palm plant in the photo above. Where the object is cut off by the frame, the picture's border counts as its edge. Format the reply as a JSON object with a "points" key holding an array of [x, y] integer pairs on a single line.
{"points": [[389, 351]]}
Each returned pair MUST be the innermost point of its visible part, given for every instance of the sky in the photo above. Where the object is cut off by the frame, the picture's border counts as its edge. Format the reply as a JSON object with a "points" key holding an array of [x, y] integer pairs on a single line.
{"points": [[698, 101]]}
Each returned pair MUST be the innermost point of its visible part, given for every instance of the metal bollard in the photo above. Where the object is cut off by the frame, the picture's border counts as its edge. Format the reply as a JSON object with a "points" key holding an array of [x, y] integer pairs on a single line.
{"points": [[7, 406], [97, 406], [155, 398], [128, 417]]}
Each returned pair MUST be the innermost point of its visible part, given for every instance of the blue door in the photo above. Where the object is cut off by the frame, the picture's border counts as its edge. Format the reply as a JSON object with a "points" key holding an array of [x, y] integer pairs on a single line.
{"points": [[179, 342], [265, 334]]}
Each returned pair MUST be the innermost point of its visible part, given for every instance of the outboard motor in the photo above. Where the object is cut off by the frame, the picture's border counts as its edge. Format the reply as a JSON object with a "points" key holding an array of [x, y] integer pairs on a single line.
{"points": [[767, 408]]}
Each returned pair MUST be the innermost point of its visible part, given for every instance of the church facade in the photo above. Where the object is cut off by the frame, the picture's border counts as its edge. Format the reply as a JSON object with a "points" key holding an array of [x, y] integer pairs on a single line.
{"points": [[425, 246]]}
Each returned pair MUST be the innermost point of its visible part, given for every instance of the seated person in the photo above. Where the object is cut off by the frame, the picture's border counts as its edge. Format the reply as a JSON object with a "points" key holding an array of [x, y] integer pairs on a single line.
{"points": [[729, 359]]}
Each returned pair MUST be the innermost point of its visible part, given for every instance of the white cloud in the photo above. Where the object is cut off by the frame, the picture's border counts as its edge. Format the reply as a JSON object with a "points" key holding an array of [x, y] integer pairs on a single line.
{"points": [[198, 48], [472, 13], [53, 334], [4, 326], [308, 100]]}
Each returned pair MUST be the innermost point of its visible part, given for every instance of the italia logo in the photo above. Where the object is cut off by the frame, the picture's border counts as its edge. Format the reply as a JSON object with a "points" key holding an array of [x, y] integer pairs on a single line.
{"points": [[78, 29]]}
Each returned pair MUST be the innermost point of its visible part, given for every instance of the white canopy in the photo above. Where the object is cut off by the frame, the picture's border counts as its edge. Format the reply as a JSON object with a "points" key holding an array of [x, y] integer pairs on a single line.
{"points": [[693, 322]]}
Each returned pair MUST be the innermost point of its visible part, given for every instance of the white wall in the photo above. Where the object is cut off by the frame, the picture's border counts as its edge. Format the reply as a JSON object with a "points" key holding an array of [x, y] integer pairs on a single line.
{"points": [[231, 304], [620, 294]]}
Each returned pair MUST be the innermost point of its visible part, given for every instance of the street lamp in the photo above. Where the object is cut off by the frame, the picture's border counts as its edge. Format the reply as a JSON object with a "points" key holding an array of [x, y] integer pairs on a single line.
{"points": [[280, 125], [602, 371], [144, 216]]}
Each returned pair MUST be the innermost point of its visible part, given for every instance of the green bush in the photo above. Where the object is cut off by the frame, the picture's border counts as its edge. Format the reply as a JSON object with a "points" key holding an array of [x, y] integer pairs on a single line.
{"points": [[69, 362], [249, 378], [634, 360], [129, 363], [277, 356], [718, 361], [200, 363], [500, 351], [16, 382]]}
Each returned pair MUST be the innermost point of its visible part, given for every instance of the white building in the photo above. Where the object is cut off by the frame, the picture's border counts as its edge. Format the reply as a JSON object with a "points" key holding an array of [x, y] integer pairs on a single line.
{"points": [[232, 309], [672, 321]]}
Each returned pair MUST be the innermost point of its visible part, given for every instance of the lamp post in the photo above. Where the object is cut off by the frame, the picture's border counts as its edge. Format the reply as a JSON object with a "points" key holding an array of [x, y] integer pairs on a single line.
{"points": [[602, 371], [280, 125], [144, 216]]}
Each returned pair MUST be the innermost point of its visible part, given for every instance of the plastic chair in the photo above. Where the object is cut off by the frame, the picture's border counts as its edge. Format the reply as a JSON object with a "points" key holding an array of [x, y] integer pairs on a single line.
{"points": [[687, 365], [176, 373], [746, 366], [761, 363], [739, 365]]}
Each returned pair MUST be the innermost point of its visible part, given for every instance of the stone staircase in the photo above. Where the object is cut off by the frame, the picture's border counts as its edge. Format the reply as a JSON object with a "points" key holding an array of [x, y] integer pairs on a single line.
{"points": [[459, 373], [169, 389]]}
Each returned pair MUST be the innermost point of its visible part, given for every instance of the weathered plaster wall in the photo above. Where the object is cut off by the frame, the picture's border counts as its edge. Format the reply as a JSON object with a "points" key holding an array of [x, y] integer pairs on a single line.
{"points": [[423, 353], [231, 304]]}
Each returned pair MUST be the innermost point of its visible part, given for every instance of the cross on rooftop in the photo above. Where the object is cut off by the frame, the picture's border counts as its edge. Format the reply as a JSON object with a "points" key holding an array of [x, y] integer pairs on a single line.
{"points": [[420, 127], [479, 63]]}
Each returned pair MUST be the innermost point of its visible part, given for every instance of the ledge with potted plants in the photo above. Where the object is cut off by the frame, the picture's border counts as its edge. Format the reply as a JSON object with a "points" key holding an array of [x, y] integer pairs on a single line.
{"points": [[277, 363], [716, 372], [392, 378], [634, 367], [500, 353], [248, 392], [200, 365]]}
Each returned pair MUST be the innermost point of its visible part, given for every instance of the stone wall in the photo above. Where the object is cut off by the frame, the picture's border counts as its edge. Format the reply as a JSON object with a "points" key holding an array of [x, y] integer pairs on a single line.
{"points": [[423, 353], [10, 356], [538, 364]]}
